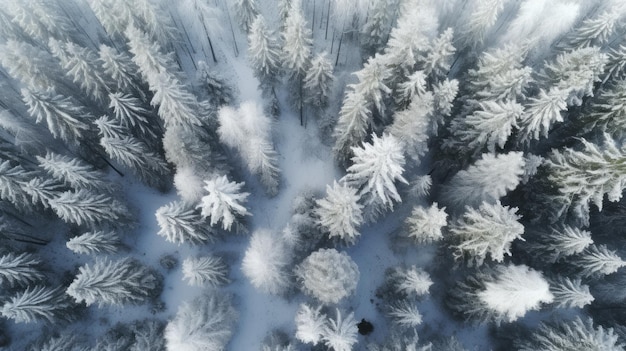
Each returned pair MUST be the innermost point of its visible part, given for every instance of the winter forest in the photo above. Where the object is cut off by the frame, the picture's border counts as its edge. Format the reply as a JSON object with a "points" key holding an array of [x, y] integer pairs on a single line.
{"points": [[286, 175]]}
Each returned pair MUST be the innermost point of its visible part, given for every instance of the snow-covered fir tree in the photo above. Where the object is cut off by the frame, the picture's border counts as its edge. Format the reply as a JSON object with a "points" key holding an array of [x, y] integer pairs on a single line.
{"points": [[328, 275], [96, 242], [560, 243], [180, 222], [74, 172], [20, 270], [377, 25], [541, 113], [37, 303], [247, 12], [120, 68], [266, 263], [224, 202], [263, 51], [404, 314], [570, 293], [340, 333], [414, 126], [108, 282], [340, 213], [310, 324], [204, 324], [205, 271], [501, 294], [597, 261], [83, 207], [318, 81], [296, 54], [425, 224], [408, 282], [488, 230], [576, 334], [129, 112]]}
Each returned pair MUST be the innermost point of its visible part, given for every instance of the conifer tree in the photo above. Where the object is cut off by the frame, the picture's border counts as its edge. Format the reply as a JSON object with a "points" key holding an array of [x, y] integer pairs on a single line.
{"points": [[115, 16], [444, 94], [595, 30], [180, 222], [376, 167], [266, 263], [425, 224], [482, 16], [541, 113], [30, 65], [352, 125], [107, 282], [12, 181], [414, 126], [339, 212], [310, 324], [19, 270], [597, 261], [318, 81], [328, 275], [74, 172], [35, 304], [246, 13], [570, 293], [224, 202], [409, 282], [404, 314], [42, 190], [130, 113], [96, 242], [120, 67], [488, 230], [83, 207], [438, 60], [413, 86], [377, 26], [205, 271], [263, 51], [296, 44], [560, 243], [340, 333], [487, 180], [156, 21]]}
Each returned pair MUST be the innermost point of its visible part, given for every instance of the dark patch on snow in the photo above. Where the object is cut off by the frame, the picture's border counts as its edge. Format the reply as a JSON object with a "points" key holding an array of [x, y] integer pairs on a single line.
{"points": [[365, 327]]}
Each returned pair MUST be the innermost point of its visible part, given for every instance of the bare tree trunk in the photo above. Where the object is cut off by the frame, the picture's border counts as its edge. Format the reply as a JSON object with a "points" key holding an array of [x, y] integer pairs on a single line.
{"points": [[313, 20], [327, 20], [208, 38], [339, 46], [232, 31]]}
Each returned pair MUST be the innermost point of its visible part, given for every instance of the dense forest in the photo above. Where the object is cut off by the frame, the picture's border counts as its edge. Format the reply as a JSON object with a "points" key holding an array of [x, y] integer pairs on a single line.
{"points": [[282, 175]]}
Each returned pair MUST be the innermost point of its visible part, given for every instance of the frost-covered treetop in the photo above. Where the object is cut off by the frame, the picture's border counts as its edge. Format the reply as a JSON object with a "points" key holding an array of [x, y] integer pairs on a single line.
{"points": [[224, 201]]}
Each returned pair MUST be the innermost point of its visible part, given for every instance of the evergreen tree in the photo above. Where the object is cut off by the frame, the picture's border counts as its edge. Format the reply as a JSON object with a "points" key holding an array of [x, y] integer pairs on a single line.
{"points": [[263, 51], [120, 67], [339, 213], [404, 314], [115, 16], [595, 30], [96, 242], [340, 333], [425, 224], [377, 26], [147, 56], [224, 202], [318, 81], [409, 282], [40, 19], [328, 275], [83, 207], [42, 190], [413, 86], [577, 176], [559, 243], [413, 126], [541, 113], [180, 222], [570, 293], [35, 304], [63, 342], [487, 180], [12, 181], [574, 335], [352, 125], [504, 293], [130, 113], [266, 263], [481, 17], [205, 271], [597, 261], [246, 13], [74, 172], [310, 324], [616, 65], [488, 230], [204, 324], [296, 44], [30, 65], [19, 270], [376, 167], [65, 119], [219, 89], [107, 282], [176, 105], [444, 94], [437, 62], [156, 21]]}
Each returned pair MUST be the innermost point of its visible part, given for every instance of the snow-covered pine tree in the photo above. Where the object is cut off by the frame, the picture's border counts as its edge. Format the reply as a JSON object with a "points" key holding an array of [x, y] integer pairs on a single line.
{"points": [[42, 190], [377, 26], [83, 207], [413, 126], [147, 56], [263, 52], [408, 282], [352, 124], [246, 11], [156, 20], [82, 66], [593, 31], [205, 271], [489, 126], [63, 342], [130, 113], [609, 111], [437, 62], [19, 270], [248, 130], [597, 261], [181, 222], [541, 112], [487, 180], [12, 181], [65, 118], [570, 293], [377, 165], [131, 152], [444, 94], [576, 72], [488, 230], [413, 86], [148, 336], [404, 314], [95, 242], [500, 74], [30, 65], [503, 293], [616, 64], [204, 324], [74, 172], [224, 202], [176, 105], [318, 81], [121, 69], [297, 43], [573, 335], [37, 303], [559, 243], [115, 16], [218, 87], [40, 19], [482, 15], [107, 282], [340, 333], [266, 263], [328, 275], [310, 324], [425, 224], [574, 172], [339, 213]]}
